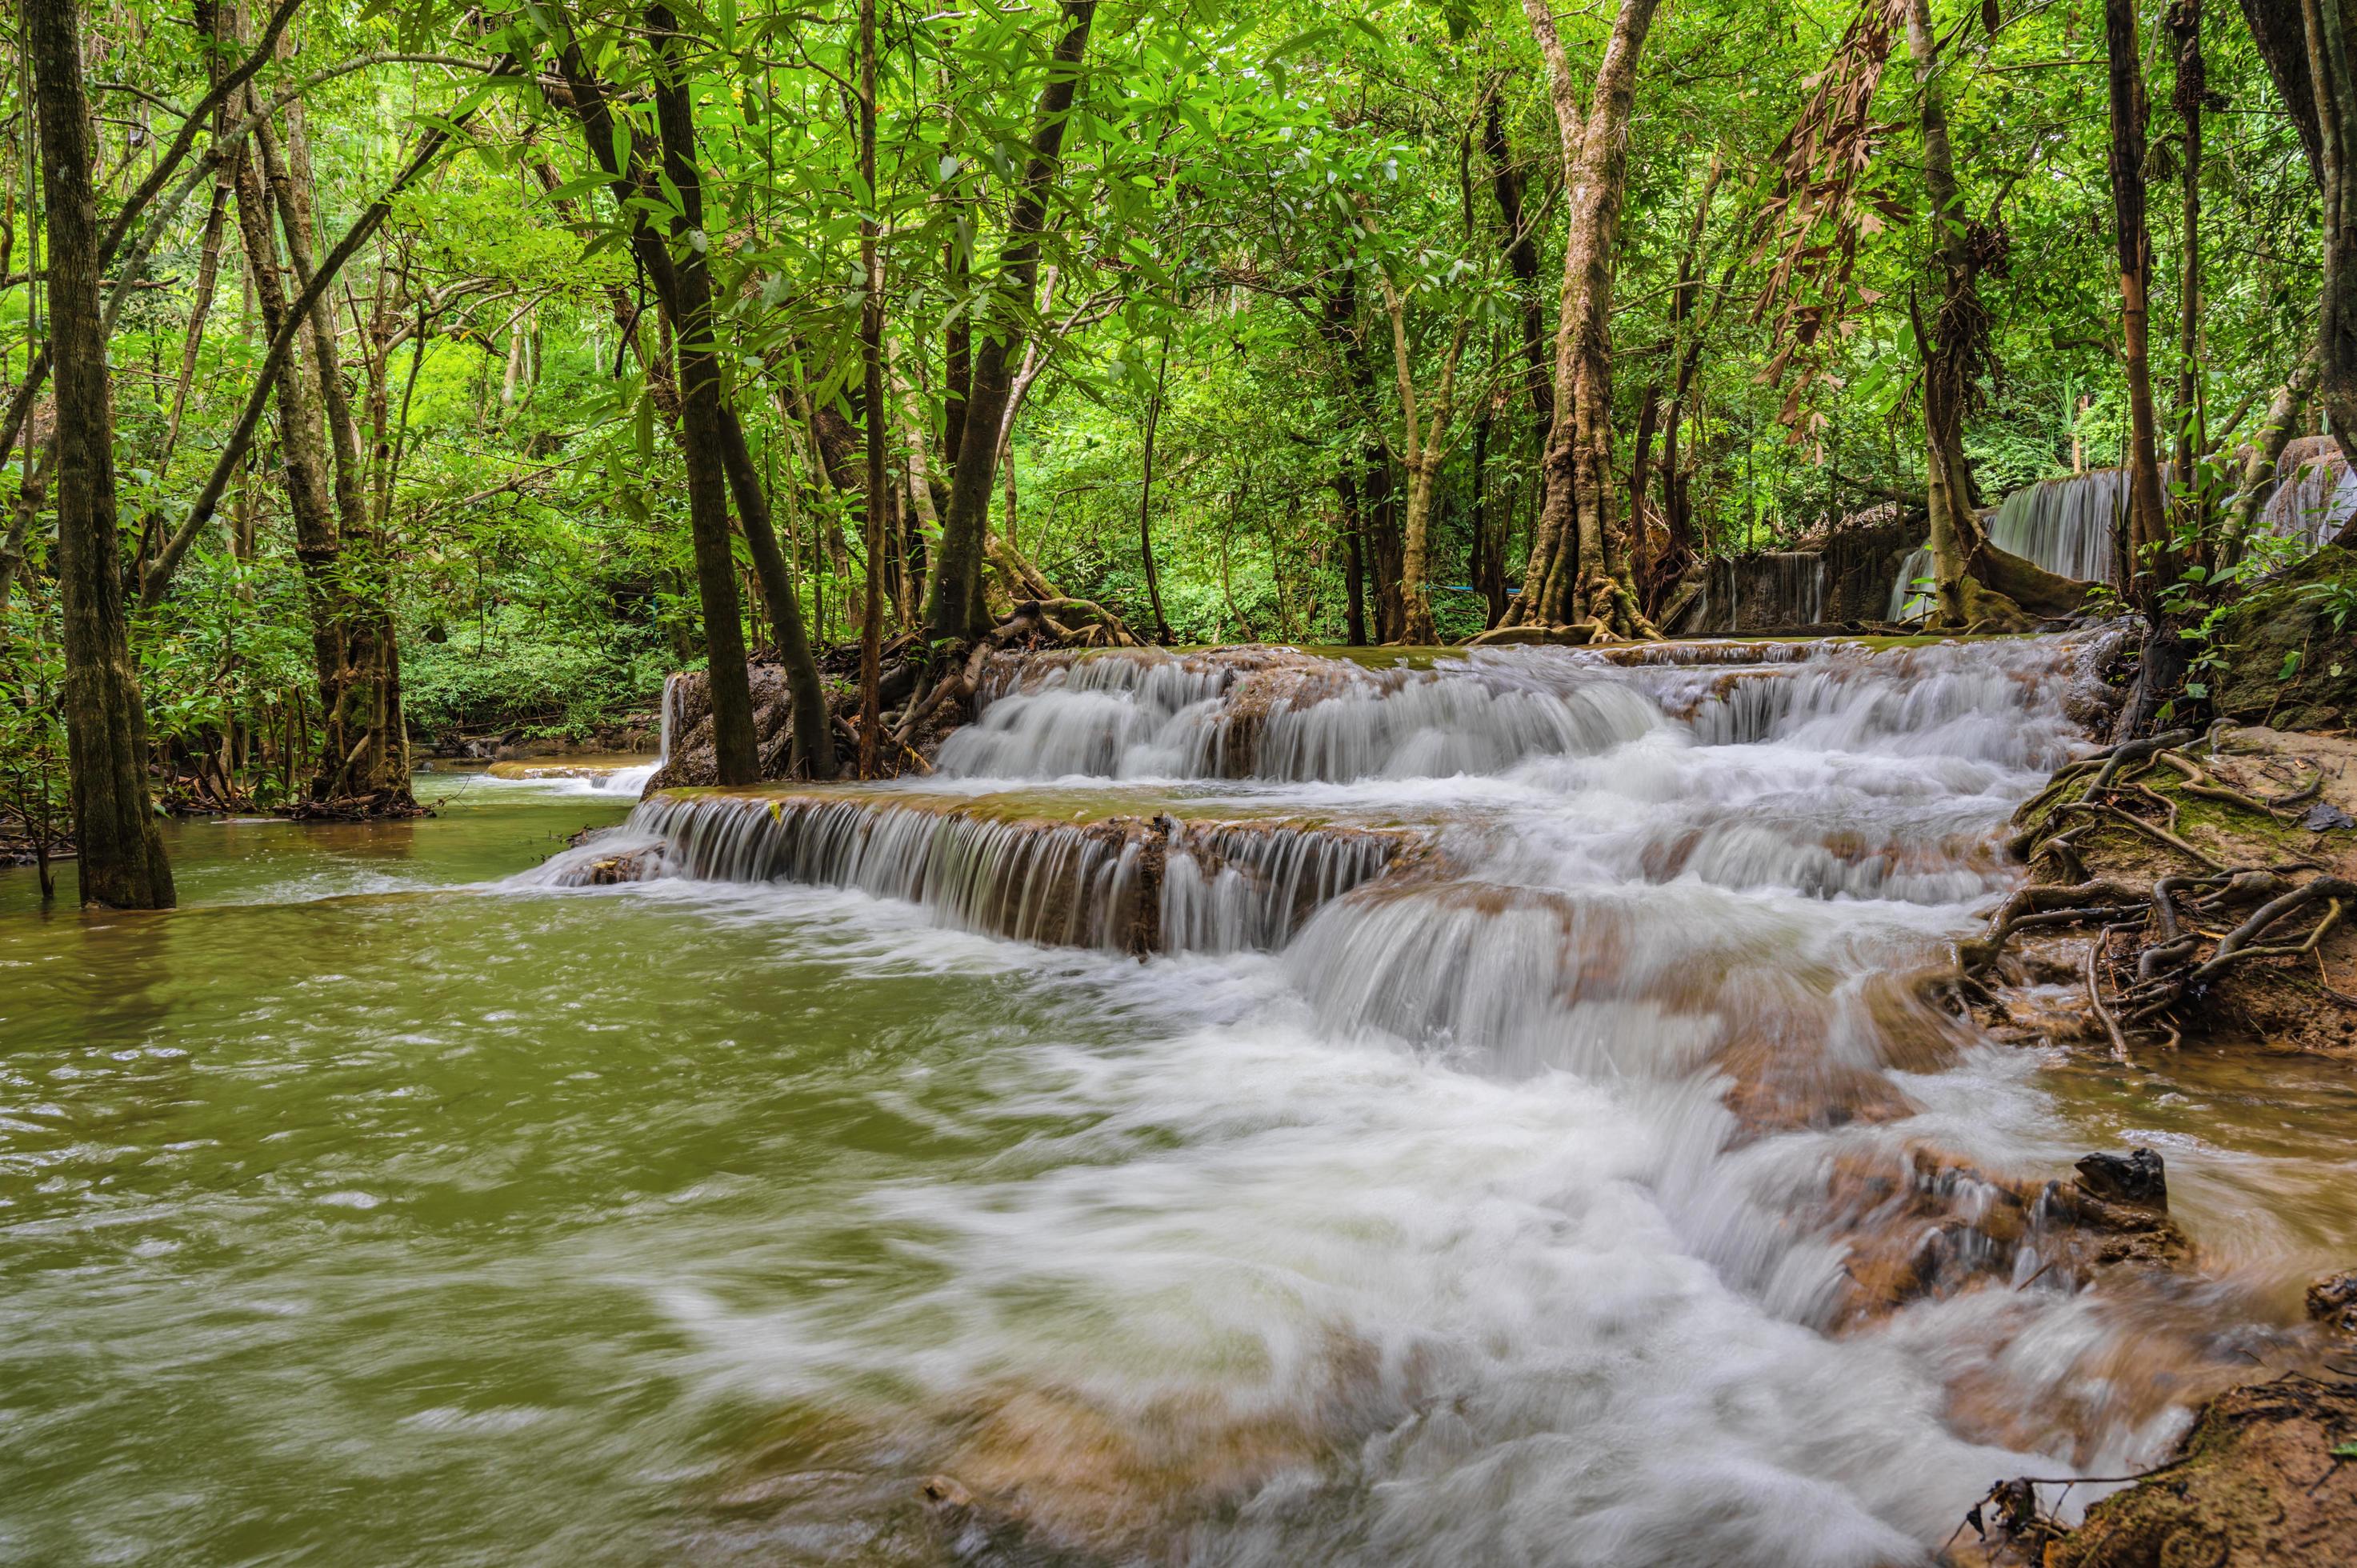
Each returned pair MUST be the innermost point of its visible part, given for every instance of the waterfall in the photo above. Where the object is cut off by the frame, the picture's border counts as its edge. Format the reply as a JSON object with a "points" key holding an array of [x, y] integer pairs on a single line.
{"points": [[1118, 881], [635, 779], [2065, 525], [2315, 493], [1281, 715], [1907, 602]]}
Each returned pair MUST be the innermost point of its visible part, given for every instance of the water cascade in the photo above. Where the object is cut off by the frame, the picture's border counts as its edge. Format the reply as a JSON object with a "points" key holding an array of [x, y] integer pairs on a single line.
{"points": [[634, 780], [1550, 1019], [2314, 496]]}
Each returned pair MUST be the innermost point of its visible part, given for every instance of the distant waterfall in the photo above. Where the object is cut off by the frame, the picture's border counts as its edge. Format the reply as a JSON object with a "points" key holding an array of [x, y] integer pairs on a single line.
{"points": [[2065, 525], [2315, 493]]}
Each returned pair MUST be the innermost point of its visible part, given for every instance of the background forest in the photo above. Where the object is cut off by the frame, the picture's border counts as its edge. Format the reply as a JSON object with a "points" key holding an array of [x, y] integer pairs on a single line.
{"points": [[414, 309]]}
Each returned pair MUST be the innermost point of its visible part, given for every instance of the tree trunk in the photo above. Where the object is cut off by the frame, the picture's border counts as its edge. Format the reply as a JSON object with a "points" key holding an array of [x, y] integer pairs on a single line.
{"points": [[1346, 496], [2277, 429], [123, 861], [871, 358], [1587, 547], [2192, 80], [1145, 499], [2331, 32], [957, 578], [1518, 238], [703, 442], [2147, 532], [368, 752], [2280, 29]]}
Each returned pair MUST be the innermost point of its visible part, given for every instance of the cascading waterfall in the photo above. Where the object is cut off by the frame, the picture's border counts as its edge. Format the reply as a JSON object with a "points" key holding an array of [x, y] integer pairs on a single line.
{"points": [[2315, 493], [2065, 525], [634, 780], [1907, 600], [1549, 1107]]}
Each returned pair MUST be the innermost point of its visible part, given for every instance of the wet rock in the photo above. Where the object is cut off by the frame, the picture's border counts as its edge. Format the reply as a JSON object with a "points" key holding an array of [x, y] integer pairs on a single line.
{"points": [[2133, 1178], [1572, 634], [2324, 816], [608, 871], [2332, 1301], [2266, 1476]]}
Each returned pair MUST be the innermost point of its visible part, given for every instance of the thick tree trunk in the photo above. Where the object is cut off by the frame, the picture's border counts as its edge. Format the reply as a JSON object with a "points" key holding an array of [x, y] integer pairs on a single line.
{"points": [[957, 577], [1948, 341], [1587, 544], [2280, 29], [2332, 31], [123, 861], [2147, 532], [703, 441]]}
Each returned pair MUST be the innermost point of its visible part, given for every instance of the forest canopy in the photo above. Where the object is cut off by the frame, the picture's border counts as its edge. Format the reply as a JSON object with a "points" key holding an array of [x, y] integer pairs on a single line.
{"points": [[470, 368]]}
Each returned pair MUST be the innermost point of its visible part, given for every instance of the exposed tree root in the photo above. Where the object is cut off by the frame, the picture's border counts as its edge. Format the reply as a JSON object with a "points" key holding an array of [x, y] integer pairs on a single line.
{"points": [[2281, 910]]}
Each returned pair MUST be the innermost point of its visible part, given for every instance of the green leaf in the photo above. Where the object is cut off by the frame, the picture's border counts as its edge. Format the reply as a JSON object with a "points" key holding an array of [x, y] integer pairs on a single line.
{"points": [[2344, 1451]]}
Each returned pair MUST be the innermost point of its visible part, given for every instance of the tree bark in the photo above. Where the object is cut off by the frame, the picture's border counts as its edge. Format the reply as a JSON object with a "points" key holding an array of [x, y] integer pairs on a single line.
{"points": [[1145, 499], [2331, 32], [367, 756], [871, 356], [122, 853], [957, 576], [2147, 532], [2192, 81], [735, 755], [2280, 29], [1586, 553]]}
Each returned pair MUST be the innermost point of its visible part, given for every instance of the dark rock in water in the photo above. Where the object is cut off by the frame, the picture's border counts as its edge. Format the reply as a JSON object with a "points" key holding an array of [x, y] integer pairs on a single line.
{"points": [[2324, 816], [589, 837], [2133, 1178], [2332, 1301]]}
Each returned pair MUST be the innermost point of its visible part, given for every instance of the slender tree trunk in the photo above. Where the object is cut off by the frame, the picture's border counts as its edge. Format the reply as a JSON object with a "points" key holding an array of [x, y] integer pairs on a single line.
{"points": [[1949, 340], [703, 441], [957, 577], [871, 353], [2192, 81], [123, 861], [303, 465], [1518, 238], [368, 757], [2276, 428], [1145, 499], [1354, 583]]}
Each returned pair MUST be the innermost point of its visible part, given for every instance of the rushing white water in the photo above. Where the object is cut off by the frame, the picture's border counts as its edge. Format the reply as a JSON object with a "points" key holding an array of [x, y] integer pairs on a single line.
{"points": [[1468, 1189], [634, 780]]}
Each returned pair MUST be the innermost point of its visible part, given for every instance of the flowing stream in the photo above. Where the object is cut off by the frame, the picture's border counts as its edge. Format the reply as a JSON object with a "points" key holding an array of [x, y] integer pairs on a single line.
{"points": [[1257, 1110]]}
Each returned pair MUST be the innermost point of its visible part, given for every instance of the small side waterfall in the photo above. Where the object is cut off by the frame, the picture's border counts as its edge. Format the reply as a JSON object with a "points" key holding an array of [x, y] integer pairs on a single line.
{"points": [[1907, 601], [634, 780], [2315, 493]]}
